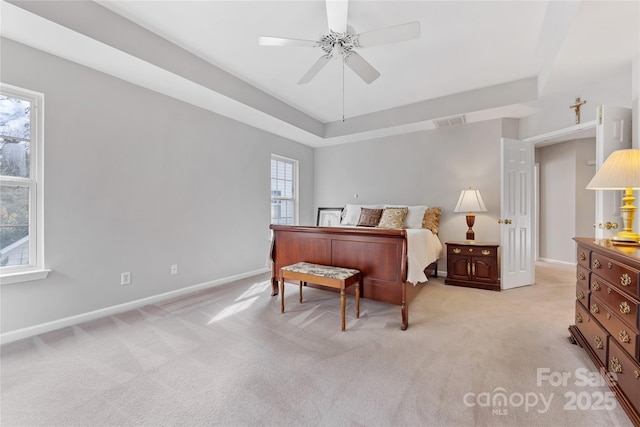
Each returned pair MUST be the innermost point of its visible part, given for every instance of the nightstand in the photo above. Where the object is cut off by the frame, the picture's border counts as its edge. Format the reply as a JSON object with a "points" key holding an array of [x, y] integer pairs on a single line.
{"points": [[473, 264]]}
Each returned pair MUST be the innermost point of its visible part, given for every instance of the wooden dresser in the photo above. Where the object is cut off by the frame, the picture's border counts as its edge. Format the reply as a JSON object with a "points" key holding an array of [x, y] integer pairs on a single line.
{"points": [[473, 264], [607, 317]]}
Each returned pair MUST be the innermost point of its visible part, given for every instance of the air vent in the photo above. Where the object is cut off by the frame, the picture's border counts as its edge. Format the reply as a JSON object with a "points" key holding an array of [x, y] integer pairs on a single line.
{"points": [[449, 121]]}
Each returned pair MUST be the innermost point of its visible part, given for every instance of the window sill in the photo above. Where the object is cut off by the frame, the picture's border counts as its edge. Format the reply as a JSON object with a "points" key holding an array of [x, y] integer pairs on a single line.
{"points": [[24, 276]]}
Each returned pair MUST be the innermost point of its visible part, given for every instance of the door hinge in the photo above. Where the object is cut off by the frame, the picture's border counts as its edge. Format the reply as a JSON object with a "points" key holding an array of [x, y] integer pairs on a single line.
{"points": [[600, 115]]}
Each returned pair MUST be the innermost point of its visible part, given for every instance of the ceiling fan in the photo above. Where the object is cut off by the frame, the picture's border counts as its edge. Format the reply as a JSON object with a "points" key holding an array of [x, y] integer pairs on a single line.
{"points": [[341, 42]]}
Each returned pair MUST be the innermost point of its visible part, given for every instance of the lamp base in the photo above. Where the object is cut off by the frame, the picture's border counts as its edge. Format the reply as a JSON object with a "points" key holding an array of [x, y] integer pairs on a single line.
{"points": [[626, 237], [471, 219]]}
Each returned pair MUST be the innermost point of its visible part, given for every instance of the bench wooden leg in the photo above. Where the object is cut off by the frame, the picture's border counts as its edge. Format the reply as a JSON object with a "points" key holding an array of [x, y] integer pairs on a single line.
{"points": [[358, 300], [343, 303], [301, 292], [282, 295]]}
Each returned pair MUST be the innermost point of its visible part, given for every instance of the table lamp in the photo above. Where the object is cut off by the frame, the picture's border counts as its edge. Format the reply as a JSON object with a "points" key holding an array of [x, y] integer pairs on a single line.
{"points": [[621, 171], [470, 201]]}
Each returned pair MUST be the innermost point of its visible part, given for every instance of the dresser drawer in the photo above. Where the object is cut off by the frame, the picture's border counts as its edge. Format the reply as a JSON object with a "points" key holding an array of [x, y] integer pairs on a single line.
{"points": [[619, 275], [627, 373], [625, 307], [619, 331], [582, 276], [582, 293], [584, 257], [592, 332]]}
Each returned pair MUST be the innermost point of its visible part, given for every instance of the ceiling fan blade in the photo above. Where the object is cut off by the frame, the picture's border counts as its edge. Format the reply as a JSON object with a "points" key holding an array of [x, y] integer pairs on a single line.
{"points": [[337, 15], [279, 41], [315, 69], [361, 67], [393, 34]]}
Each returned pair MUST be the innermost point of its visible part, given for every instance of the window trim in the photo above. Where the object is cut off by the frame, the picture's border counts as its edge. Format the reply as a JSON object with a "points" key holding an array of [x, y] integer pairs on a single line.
{"points": [[35, 269], [296, 184]]}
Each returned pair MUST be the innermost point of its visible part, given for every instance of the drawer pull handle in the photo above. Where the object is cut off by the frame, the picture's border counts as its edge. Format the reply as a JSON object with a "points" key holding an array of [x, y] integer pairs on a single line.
{"points": [[596, 263], [486, 252], [608, 316], [595, 309], [457, 250], [609, 290], [578, 318], [580, 295], [615, 365], [595, 286], [581, 276], [582, 256], [598, 342], [625, 280], [473, 268], [625, 308], [609, 265], [637, 374], [624, 336], [468, 268]]}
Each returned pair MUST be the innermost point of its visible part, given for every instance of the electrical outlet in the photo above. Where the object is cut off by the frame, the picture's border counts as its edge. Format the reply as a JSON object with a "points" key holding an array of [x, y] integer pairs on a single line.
{"points": [[174, 269], [125, 278]]}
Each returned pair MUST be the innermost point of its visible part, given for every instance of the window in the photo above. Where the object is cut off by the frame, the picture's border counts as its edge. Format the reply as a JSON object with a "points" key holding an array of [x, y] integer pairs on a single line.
{"points": [[284, 190], [21, 246]]}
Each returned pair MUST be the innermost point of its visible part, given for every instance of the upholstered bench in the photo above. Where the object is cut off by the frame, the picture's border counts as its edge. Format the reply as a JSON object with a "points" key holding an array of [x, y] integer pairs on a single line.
{"points": [[325, 275]]}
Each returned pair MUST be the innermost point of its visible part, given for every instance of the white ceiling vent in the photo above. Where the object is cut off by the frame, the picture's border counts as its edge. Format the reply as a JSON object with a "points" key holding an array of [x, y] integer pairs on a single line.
{"points": [[449, 121]]}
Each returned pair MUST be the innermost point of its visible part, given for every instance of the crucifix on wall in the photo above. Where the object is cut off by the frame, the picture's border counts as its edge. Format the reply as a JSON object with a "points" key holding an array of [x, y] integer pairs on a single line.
{"points": [[576, 107]]}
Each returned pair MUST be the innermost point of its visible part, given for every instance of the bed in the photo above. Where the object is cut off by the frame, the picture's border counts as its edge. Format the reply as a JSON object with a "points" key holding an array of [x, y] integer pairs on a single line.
{"points": [[394, 263]]}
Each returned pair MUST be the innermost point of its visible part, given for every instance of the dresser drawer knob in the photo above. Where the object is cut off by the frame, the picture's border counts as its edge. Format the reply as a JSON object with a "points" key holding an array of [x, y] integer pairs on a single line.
{"points": [[582, 256], [580, 295], [625, 280], [637, 374], [486, 252], [615, 366], [624, 336], [610, 265], [595, 309], [598, 342], [609, 290], [625, 308], [578, 318], [608, 316], [595, 286], [581, 276], [596, 263], [457, 250]]}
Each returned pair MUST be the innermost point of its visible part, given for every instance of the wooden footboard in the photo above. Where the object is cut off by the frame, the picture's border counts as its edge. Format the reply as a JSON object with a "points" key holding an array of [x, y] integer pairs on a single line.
{"points": [[379, 254]]}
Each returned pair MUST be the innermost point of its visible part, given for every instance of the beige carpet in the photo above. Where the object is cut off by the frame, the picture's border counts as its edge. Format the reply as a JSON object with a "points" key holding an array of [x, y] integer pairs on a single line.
{"points": [[227, 356]]}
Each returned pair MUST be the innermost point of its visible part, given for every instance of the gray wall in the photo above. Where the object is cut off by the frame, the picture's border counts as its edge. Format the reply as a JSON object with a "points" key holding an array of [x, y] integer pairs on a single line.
{"points": [[136, 181], [566, 208], [430, 167]]}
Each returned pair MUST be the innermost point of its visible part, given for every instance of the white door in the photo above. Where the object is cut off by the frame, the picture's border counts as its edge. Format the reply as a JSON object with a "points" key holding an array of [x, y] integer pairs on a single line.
{"points": [[517, 216], [613, 132]]}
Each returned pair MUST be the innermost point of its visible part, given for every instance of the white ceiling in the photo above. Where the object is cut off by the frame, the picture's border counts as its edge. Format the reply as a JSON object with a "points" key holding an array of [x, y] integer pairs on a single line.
{"points": [[465, 46]]}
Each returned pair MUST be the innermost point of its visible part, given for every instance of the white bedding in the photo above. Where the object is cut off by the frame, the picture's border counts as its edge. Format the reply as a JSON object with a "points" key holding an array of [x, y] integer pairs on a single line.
{"points": [[423, 248]]}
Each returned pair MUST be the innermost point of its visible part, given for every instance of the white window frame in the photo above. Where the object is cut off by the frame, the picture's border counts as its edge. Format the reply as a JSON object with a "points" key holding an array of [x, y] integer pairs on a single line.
{"points": [[296, 181], [35, 269]]}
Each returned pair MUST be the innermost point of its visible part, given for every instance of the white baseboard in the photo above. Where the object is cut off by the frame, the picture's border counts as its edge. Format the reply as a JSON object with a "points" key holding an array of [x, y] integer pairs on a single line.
{"points": [[31, 331], [555, 261]]}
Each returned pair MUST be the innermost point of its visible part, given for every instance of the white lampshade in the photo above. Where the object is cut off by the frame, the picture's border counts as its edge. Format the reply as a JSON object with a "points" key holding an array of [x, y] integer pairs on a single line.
{"points": [[470, 201], [620, 171]]}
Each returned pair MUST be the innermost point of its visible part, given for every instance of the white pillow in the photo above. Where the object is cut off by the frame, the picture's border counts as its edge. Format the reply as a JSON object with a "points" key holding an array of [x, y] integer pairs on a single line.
{"points": [[352, 213], [415, 216]]}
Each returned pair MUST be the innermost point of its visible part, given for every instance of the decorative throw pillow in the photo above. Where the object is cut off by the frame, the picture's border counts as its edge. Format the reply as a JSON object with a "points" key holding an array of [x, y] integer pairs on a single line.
{"points": [[369, 217], [431, 219], [393, 218]]}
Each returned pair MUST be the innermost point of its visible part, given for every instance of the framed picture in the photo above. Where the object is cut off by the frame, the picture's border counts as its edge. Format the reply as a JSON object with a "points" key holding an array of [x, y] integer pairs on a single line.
{"points": [[329, 217]]}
